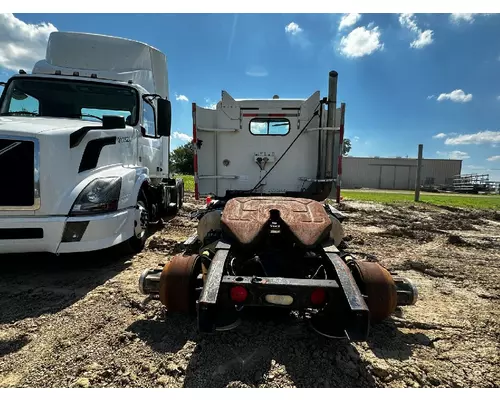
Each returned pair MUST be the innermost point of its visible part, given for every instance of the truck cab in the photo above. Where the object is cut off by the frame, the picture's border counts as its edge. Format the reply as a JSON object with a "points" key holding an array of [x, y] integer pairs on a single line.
{"points": [[84, 147], [270, 147]]}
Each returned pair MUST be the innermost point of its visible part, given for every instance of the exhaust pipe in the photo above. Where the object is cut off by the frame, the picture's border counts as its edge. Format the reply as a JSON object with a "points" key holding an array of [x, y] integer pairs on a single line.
{"points": [[322, 189], [326, 170], [330, 123]]}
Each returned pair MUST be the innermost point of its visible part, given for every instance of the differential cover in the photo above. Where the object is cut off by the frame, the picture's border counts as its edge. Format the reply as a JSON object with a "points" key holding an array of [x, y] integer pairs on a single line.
{"points": [[244, 218]]}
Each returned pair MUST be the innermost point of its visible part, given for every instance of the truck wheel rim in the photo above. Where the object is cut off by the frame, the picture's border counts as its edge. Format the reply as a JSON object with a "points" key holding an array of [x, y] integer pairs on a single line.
{"points": [[142, 223]]}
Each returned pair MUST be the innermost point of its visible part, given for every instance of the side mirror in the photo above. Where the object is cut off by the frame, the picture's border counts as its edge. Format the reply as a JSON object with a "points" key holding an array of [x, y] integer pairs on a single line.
{"points": [[18, 95], [113, 122], [164, 113]]}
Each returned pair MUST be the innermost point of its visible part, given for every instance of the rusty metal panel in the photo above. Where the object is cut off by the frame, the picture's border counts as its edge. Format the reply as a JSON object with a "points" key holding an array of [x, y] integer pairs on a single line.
{"points": [[176, 286], [380, 289], [245, 218]]}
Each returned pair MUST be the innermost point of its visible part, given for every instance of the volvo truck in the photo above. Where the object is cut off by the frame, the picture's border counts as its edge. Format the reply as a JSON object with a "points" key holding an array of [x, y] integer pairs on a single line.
{"points": [[84, 147]]}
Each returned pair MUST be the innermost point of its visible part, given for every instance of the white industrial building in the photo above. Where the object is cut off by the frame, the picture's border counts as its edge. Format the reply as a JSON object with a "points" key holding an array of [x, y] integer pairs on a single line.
{"points": [[396, 173]]}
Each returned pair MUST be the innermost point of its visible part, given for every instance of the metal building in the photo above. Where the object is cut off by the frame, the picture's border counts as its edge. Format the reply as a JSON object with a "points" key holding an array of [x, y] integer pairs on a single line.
{"points": [[396, 173]]}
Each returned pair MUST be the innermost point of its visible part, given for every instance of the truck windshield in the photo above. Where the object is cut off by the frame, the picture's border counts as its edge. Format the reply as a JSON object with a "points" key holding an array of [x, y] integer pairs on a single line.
{"points": [[61, 98]]}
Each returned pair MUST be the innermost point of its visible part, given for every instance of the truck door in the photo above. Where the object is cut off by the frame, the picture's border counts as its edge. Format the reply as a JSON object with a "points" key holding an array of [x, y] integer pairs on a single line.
{"points": [[150, 144]]}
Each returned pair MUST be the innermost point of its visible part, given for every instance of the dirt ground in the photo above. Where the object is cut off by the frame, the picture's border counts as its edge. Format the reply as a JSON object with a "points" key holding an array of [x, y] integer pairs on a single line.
{"points": [[81, 322]]}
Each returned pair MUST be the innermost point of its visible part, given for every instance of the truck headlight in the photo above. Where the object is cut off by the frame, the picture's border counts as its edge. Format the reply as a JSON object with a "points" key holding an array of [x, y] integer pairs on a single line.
{"points": [[99, 196]]}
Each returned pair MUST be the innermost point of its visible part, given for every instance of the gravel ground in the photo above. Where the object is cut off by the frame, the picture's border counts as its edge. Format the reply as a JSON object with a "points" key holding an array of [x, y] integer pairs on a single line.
{"points": [[81, 322]]}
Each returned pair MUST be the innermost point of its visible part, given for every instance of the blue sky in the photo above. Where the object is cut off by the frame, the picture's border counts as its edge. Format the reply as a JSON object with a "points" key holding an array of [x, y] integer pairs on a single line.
{"points": [[404, 77]]}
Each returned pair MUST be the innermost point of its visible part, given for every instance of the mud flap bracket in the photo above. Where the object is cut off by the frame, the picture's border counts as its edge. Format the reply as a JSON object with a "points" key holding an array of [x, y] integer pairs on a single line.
{"points": [[357, 317], [207, 303]]}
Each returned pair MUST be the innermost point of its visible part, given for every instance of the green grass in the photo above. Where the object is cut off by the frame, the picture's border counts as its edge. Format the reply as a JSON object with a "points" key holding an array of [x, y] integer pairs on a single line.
{"points": [[438, 199], [188, 182]]}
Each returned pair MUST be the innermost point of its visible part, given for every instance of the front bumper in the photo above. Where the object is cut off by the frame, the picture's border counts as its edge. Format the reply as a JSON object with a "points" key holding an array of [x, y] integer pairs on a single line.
{"points": [[65, 234]]}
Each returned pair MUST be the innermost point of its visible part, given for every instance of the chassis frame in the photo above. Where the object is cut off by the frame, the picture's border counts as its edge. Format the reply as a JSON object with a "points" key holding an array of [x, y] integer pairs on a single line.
{"points": [[345, 313]]}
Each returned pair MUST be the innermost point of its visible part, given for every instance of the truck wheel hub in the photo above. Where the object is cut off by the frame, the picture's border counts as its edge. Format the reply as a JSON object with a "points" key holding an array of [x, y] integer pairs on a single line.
{"points": [[141, 222]]}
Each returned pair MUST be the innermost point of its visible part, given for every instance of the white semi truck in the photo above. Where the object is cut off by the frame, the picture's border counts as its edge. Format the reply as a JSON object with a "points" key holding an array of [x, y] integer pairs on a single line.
{"points": [[267, 238], [84, 147]]}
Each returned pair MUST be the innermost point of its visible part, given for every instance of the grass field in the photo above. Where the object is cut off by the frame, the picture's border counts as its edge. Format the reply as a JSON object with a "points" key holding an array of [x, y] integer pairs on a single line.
{"points": [[188, 182], [438, 199]]}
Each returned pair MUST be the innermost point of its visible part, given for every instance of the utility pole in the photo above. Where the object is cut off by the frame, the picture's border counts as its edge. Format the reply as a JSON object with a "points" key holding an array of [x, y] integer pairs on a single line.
{"points": [[419, 170]]}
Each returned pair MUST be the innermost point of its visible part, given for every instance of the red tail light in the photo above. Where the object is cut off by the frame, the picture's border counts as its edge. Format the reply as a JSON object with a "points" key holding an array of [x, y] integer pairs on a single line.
{"points": [[238, 294], [318, 296], [208, 200]]}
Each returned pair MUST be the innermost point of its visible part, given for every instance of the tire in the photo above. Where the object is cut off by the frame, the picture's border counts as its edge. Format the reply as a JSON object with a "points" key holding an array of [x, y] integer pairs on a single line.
{"points": [[141, 229], [180, 193], [171, 211]]}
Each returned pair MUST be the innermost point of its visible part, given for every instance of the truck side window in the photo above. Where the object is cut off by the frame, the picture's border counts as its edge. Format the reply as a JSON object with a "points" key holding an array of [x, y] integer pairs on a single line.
{"points": [[149, 119]]}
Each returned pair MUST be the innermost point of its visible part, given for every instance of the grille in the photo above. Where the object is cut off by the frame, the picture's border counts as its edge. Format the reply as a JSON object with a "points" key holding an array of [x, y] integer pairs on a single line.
{"points": [[18, 183]]}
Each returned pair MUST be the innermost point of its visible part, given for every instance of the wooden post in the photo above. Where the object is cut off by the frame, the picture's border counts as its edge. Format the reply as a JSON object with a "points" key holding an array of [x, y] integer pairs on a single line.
{"points": [[419, 170]]}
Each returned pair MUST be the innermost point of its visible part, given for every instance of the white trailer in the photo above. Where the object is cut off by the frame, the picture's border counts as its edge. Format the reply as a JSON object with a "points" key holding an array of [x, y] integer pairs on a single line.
{"points": [[84, 147]]}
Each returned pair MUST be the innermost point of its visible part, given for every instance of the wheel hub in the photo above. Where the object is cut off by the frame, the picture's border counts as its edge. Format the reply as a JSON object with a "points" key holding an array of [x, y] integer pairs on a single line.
{"points": [[141, 221]]}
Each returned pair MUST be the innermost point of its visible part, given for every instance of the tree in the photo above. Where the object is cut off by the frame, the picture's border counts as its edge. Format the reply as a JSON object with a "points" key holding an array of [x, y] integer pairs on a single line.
{"points": [[182, 160], [347, 147]]}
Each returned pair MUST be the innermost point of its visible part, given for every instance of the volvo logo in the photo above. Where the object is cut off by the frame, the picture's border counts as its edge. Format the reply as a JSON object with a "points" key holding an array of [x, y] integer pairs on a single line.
{"points": [[9, 147]]}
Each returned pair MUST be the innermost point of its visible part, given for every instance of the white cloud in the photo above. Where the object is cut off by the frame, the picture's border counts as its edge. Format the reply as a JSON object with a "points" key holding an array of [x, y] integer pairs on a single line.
{"points": [[464, 17], [256, 71], [423, 38], [212, 105], [439, 136], [408, 21], [498, 97], [182, 136], [356, 138], [361, 42], [22, 44], [297, 35], [181, 97], [454, 155], [458, 17], [476, 167], [457, 96], [494, 158], [231, 38], [349, 20], [293, 29], [430, 97], [484, 137]]}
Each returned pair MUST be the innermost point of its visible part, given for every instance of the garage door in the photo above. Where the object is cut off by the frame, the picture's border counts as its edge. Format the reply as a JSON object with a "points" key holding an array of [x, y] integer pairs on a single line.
{"points": [[387, 178], [402, 175]]}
